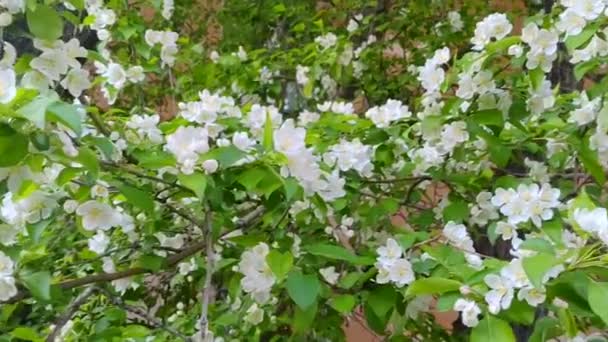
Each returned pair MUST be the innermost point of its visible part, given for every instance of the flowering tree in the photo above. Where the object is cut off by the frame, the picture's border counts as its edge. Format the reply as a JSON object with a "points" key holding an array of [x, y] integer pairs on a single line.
{"points": [[159, 188]]}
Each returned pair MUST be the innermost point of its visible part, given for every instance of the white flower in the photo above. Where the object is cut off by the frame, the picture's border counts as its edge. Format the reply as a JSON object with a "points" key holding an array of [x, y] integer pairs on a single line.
{"points": [[289, 139], [13, 6], [401, 273], [175, 242], [326, 41], [506, 230], [254, 315], [76, 81], [8, 289], [330, 275], [146, 126], [99, 190], [514, 271], [6, 265], [392, 110], [99, 242], [258, 278], [135, 74], [431, 77], [7, 85], [51, 64], [588, 9], [470, 311], [571, 23], [453, 135], [153, 37], [455, 21], [97, 216], [586, 112], [168, 8], [115, 75], [515, 50], [242, 141], [10, 56], [501, 293], [593, 221], [302, 74], [352, 25], [210, 166], [495, 26], [307, 117], [5, 19], [186, 143], [186, 268], [349, 155], [389, 252], [532, 295]]}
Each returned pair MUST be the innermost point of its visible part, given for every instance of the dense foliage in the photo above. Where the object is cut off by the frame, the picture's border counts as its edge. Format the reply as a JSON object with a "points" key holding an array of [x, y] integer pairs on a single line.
{"points": [[268, 170]]}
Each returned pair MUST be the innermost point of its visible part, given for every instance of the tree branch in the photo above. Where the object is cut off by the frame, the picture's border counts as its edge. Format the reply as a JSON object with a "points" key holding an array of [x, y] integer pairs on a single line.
{"points": [[170, 262], [70, 311]]}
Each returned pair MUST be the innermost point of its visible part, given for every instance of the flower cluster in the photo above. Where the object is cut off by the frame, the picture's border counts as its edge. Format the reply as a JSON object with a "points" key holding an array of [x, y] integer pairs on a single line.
{"points": [[392, 265], [527, 203], [258, 278]]}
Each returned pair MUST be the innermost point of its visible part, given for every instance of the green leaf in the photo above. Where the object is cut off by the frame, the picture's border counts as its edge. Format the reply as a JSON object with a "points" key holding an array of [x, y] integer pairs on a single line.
{"points": [[537, 266], [591, 162], [303, 289], [488, 117], [574, 42], [35, 111], [26, 334], [382, 299], [553, 229], [492, 329], [303, 319], [226, 156], [268, 132], [545, 328], [279, 263], [446, 302], [35, 230], [44, 22], [137, 197], [433, 285], [251, 177], [457, 211], [338, 253], [538, 245], [151, 262], [13, 146], [197, 182], [536, 77], [89, 160], [66, 114], [598, 299], [39, 284], [344, 304], [580, 70], [502, 44]]}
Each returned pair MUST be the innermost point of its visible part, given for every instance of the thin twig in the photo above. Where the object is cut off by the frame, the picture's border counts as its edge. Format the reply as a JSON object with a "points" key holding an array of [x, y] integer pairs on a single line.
{"points": [[204, 321], [155, 322], [71, 310]]}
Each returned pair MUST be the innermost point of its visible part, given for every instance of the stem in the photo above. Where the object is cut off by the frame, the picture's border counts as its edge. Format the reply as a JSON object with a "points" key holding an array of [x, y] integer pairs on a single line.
{"points": [[204, 321]]}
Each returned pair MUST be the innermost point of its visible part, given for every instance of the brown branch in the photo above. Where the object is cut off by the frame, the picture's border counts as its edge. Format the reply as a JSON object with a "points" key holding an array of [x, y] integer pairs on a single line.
{"points": [[67, 315]]}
